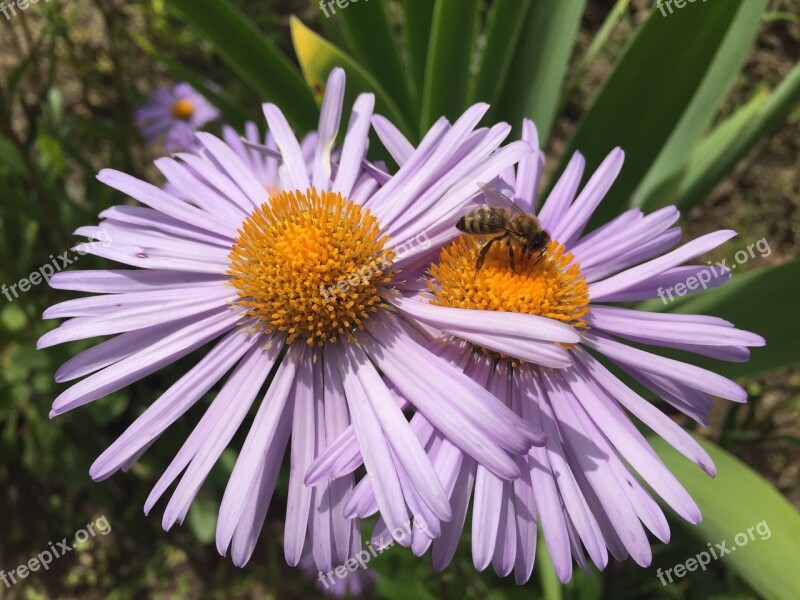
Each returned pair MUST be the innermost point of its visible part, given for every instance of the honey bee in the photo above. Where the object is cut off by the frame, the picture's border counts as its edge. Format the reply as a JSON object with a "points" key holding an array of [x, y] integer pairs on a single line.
{"points": [[514, 226]]}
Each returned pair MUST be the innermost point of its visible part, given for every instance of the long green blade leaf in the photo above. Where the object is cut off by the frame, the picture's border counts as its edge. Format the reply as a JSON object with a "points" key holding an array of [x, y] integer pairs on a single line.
{"points": [[253, 56], [376, 48], [714, 148], [699, 113], [333, 31], [318, 57], [718, 158], [551, 586], [10, 157], [650, 91], [599, 41], [745, 511], [505, 22], [449, 55], [418, 17], [537, 74]]}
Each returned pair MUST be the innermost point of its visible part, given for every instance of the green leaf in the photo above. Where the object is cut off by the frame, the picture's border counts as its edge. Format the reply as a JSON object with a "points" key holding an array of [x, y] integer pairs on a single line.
{"points": [[318, 57], [709, 152], [252, 56], [449, 54], [762, 301], [781, 16], [13, 318], [333, 30], [599, 41], [202, 519], [578, 72], [368, 30], [586, 586], [418, 18], [551, 586], [540, 64], [699, 113], [736, 502], [649, 92], [56, 104], [10, 157], [722, 154], [402, 590], [505, 22], [50, 154]]}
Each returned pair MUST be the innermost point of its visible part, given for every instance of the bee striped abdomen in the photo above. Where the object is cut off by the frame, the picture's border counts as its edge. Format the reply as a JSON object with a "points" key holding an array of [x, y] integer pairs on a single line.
{"points": [[482, 221]]}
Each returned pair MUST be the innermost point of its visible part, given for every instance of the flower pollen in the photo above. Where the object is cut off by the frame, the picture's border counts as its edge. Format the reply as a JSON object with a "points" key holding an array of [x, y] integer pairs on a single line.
{"points": [[310, 264], [552, 286], [182, 109]]}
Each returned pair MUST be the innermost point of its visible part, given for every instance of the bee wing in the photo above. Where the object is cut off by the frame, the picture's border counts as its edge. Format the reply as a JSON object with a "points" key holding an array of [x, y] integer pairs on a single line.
{"points": [[498, 199]]}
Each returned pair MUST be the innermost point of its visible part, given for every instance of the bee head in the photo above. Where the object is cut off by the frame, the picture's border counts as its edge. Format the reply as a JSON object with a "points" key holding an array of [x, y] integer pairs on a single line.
{"points": [[539, 241]]}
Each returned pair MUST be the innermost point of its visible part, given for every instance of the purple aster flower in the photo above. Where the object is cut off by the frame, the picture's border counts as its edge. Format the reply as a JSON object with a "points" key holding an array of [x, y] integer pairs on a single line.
{"points": [[175, 114], [260, 152], [298, 285], [579, 487]]}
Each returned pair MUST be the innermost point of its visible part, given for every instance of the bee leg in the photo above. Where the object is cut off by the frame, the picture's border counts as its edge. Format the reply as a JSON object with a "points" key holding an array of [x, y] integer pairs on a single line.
{"points": [[541, 254], [511, 255], [484, 251]]}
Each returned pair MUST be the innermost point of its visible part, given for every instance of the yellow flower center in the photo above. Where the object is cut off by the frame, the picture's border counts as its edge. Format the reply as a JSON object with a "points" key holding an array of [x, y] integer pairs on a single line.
{"points": [[311, 264], [182, 109], [551, 287]]}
